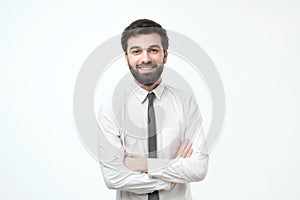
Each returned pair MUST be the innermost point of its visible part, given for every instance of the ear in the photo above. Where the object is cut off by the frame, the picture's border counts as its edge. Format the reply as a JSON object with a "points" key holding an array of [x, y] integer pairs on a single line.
{"points": [[165, 56], [126, 58]]}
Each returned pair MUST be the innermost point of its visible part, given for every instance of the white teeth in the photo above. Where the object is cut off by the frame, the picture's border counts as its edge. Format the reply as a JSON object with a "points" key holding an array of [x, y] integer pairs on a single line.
{"points": [[146, 68]]}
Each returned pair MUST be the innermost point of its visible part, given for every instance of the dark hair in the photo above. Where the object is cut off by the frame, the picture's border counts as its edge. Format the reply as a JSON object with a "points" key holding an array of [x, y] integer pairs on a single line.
{"points": [[144, 26]]}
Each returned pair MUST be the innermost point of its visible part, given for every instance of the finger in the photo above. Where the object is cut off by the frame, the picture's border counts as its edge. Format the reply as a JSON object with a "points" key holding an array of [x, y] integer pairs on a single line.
{"points": [[189, 153], [127, 162], [182, 147], [187, 149]]}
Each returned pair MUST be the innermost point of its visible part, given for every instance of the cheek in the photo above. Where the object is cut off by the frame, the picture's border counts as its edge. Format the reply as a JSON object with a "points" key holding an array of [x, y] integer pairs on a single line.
{"points": [[133, 61], [159, 59]]}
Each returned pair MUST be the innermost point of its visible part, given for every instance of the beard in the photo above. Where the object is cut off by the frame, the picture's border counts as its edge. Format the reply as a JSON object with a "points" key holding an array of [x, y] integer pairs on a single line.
{"points": [[147, 78]]}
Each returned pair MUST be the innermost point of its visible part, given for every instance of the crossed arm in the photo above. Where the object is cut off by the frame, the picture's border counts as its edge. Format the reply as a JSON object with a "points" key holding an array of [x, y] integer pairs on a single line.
{"points": [[145, 175], [140, 164]]}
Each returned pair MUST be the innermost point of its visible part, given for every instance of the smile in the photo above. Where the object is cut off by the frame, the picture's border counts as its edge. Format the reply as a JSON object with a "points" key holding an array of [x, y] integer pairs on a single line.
{"points": [[146, 67]]}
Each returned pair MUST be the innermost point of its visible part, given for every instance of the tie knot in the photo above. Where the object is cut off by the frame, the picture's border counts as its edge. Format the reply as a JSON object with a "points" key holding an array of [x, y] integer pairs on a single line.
{"points": [[150, 97]]}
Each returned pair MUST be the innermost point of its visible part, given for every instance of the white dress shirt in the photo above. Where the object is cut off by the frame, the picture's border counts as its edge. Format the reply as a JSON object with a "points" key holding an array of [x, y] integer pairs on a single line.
{"points": [[123, 132]]}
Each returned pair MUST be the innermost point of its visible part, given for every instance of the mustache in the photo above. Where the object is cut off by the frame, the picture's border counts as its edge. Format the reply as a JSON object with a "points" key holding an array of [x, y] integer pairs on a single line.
{"points": [[146, 65]]}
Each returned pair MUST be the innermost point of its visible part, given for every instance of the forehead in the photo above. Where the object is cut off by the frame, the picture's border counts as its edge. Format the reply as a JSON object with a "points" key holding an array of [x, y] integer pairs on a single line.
{"points": [[144, 40]]}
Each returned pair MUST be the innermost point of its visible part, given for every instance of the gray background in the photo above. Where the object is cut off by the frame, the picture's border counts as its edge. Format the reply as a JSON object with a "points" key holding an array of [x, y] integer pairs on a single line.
{"points": [[254, 45]]}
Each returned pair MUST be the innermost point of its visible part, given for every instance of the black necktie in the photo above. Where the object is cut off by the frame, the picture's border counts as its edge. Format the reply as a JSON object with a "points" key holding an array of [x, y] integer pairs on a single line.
{"points": [[152, 147]]}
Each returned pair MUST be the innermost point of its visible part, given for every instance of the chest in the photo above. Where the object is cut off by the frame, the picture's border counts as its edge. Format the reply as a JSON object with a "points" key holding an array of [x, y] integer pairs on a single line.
{"points": [[169, 121]]}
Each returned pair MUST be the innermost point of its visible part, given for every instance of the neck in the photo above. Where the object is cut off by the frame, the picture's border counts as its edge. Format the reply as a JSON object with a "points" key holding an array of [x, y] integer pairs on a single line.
{"points": [[149, 88]]}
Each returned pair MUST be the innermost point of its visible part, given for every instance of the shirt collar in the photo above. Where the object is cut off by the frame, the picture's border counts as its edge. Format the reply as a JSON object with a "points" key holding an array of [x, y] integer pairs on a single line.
{"points": [[141, 93]]}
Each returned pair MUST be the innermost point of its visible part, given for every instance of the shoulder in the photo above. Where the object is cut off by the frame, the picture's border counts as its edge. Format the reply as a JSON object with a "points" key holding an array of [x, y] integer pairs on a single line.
{"points": [[184, 99], [177, 93]]}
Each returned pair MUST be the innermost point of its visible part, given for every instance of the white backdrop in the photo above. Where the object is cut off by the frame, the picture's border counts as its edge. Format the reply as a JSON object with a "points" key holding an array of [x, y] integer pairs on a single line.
{"points": [[254, 45]]}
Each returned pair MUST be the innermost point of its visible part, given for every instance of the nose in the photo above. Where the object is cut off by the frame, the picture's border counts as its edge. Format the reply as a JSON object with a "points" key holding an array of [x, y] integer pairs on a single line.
{"points": [[145, 56]]}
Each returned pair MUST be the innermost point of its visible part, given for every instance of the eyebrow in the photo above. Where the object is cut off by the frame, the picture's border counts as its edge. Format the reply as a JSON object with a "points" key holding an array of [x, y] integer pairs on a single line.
{"points": [[138, 47]]}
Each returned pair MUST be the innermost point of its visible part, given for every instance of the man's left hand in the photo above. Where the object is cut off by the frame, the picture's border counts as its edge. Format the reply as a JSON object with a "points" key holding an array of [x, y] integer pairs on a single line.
{"points": [[136, 164]]}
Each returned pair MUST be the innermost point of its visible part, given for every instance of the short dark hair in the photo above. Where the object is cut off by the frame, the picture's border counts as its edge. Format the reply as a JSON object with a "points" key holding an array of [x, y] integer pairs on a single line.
{"points": [[144, 26]]}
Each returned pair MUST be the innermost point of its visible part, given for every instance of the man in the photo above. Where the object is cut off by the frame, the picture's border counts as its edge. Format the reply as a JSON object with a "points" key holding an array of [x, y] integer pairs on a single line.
{"points": [[151, 142]]}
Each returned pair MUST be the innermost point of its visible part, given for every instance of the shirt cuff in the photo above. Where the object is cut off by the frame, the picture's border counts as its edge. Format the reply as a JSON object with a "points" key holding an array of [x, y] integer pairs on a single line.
{"points": [[163, 185]]}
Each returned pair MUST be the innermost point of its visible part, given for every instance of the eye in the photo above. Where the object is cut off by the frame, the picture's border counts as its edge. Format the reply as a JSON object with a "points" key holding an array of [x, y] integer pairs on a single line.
{"points": [[154, 50], [135, 51]]}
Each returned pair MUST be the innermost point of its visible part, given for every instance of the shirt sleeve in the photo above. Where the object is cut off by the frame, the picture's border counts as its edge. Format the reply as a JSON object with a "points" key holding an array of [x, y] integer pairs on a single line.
{"points": [[111, 155], [193, 168]]}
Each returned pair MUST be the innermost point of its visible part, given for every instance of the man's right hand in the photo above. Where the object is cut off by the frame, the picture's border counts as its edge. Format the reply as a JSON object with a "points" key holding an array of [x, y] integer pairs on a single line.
{"points": [[185, 149]]}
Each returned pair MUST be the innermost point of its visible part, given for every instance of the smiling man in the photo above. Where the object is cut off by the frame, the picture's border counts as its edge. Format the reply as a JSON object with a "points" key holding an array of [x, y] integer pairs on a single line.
{"points": [[151, 142], [146, 59]]}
